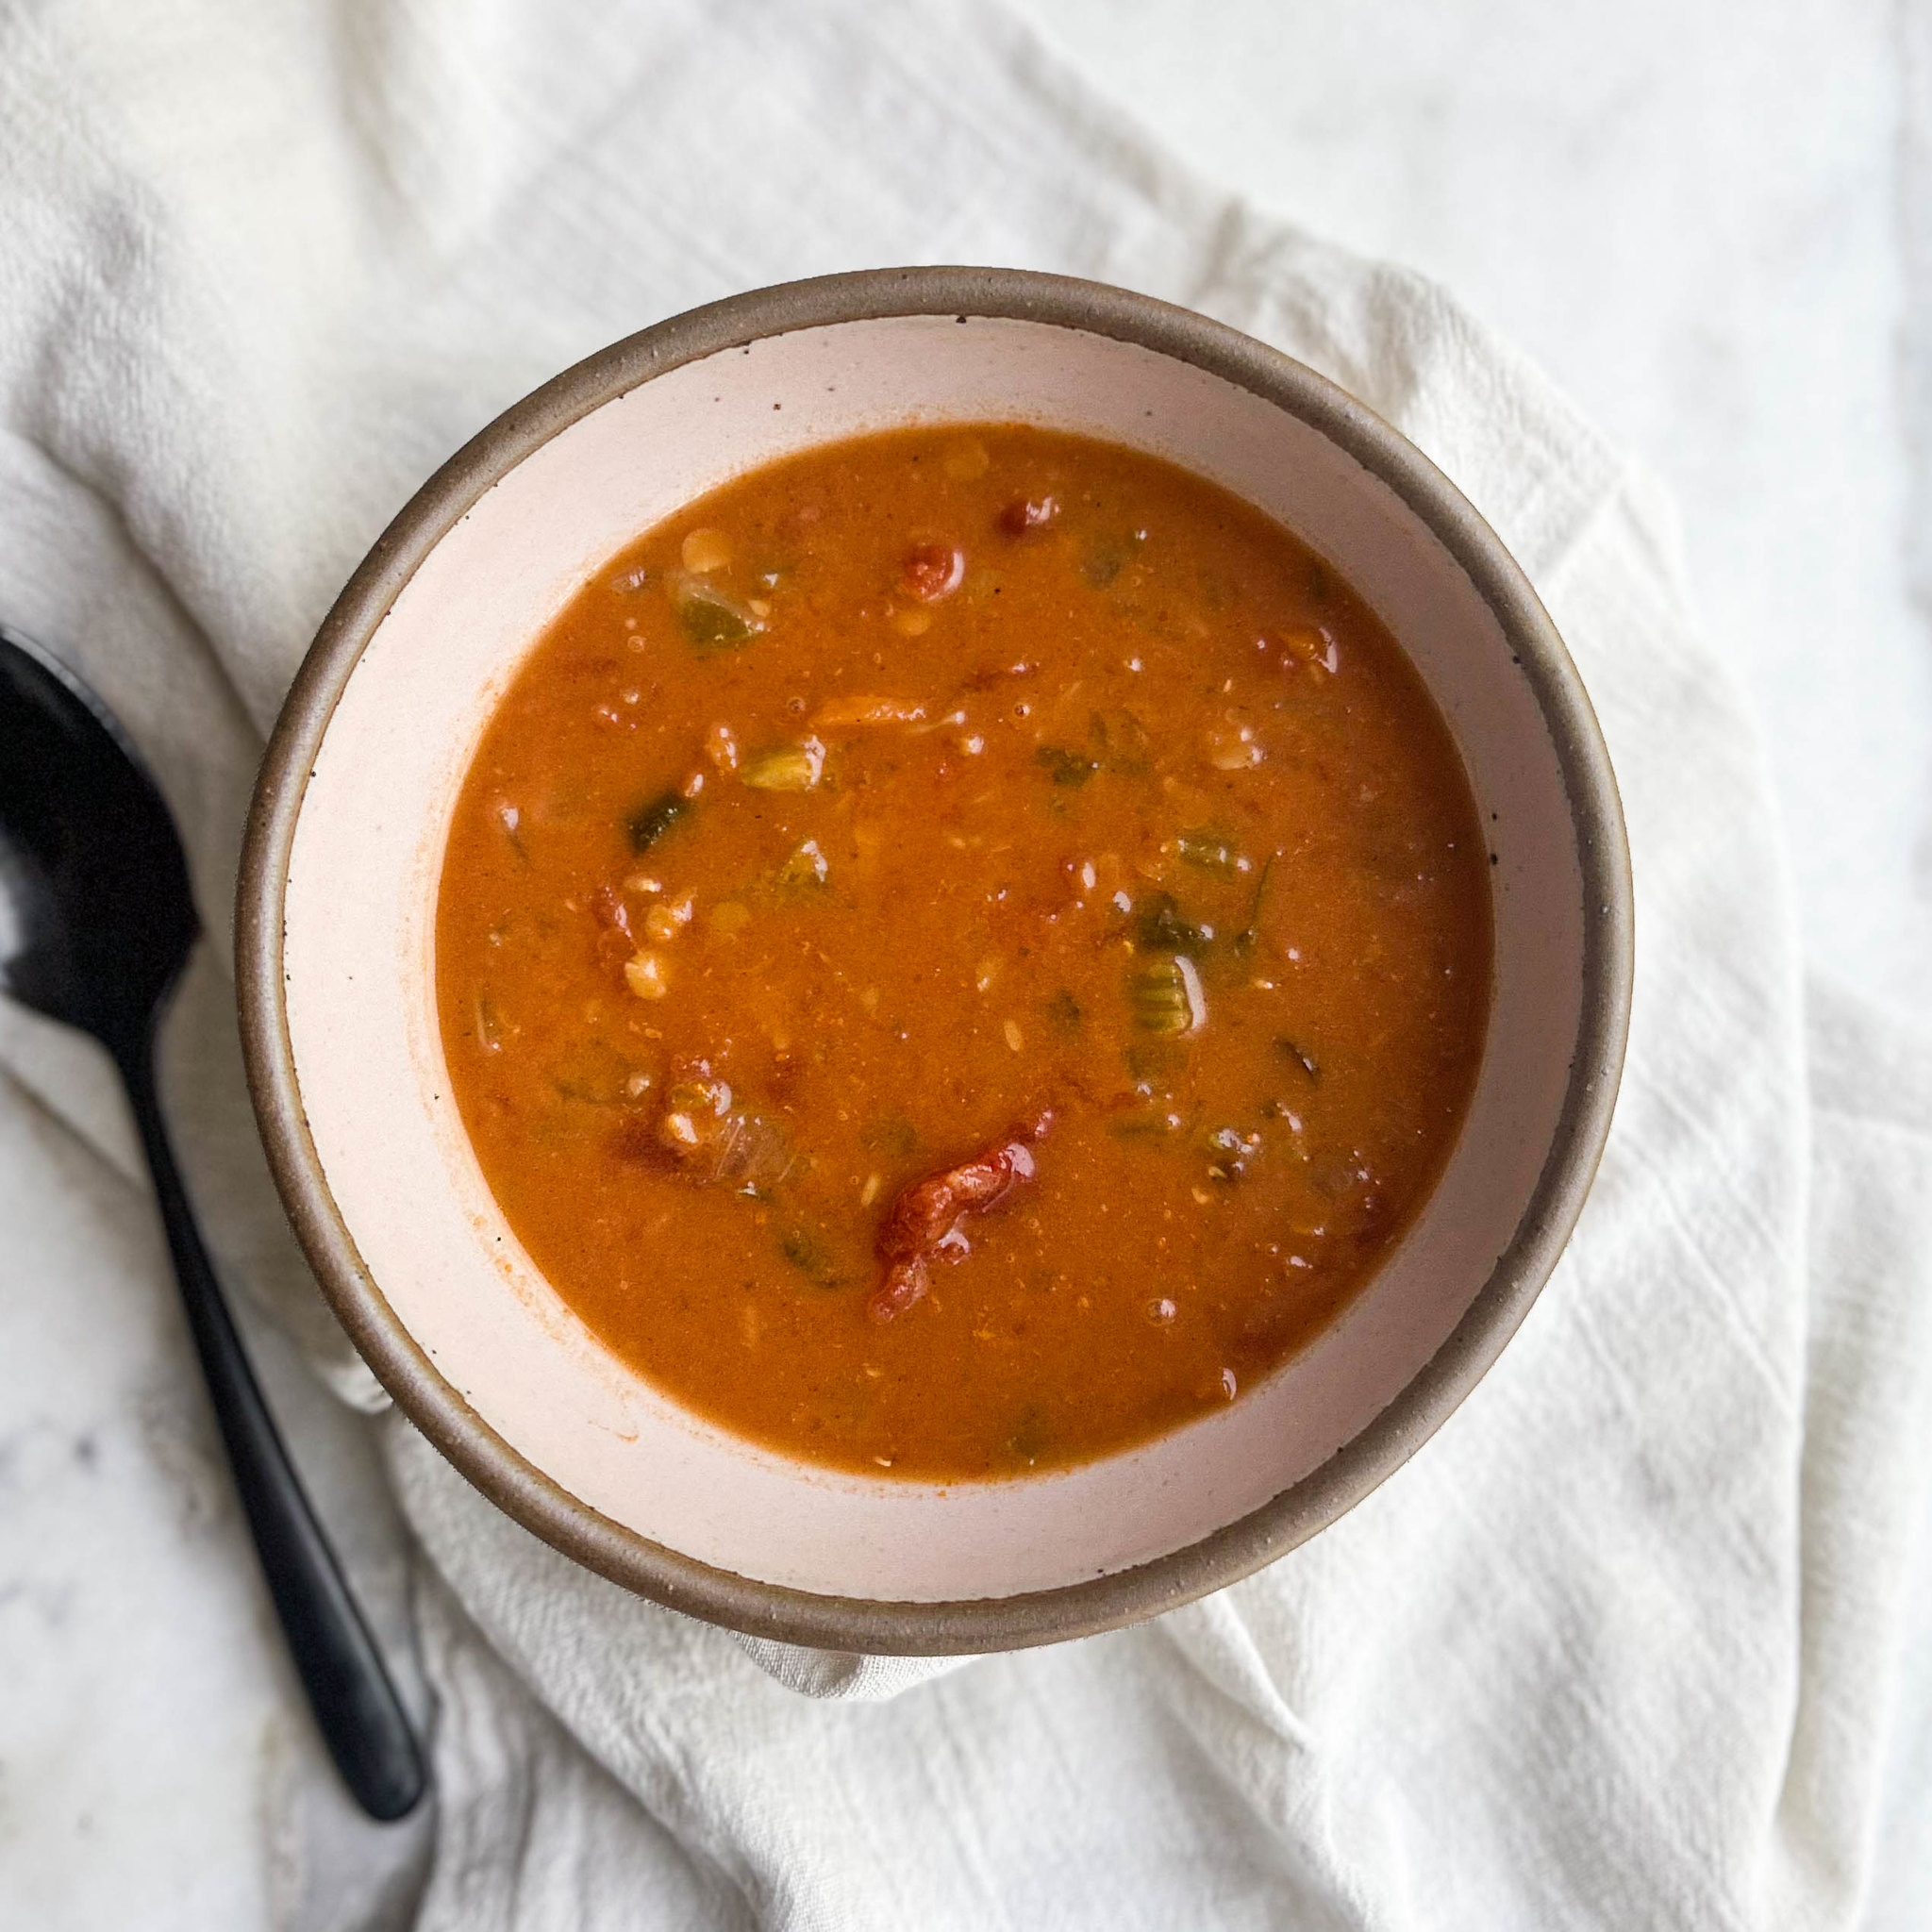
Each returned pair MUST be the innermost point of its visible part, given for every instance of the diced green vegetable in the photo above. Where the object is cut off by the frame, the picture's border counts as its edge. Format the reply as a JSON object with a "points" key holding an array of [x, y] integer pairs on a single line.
{"points": [[808, 1254], [804, 869], [1164, 996], [1154, 1063], [1106, 557], [1161, 928], [789, 768], [1064, 1013], [593, 1072], [1122, 740], [649, 823], [1031, 1436], [1210, 851], [1065, 767], [1230, 1151], [892, 1136], [1146, 1126], [1300, 1056], [710, 619]]}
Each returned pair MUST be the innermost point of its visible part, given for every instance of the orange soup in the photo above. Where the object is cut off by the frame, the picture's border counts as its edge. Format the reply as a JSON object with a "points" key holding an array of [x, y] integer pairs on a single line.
{"points": [[962, 950]]}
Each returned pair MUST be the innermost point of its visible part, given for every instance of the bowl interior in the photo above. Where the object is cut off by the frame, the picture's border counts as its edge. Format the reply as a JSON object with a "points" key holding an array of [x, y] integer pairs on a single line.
{"points": [[359, 929]]}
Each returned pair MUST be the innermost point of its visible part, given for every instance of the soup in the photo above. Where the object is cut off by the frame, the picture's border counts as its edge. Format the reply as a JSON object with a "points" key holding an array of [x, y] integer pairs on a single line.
{"points": [[962, 950]]}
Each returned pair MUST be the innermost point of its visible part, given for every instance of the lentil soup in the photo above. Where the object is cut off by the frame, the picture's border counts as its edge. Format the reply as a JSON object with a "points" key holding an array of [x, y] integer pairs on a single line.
{"points": [[962, 949]]}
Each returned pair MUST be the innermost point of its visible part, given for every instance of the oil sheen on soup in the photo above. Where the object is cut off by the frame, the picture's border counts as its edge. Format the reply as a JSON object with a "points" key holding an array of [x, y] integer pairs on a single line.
{"points": [[961, 951]]}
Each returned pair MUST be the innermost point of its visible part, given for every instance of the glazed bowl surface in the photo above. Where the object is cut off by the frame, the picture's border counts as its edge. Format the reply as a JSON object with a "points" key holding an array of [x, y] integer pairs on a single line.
{"points": [[336, 947]]}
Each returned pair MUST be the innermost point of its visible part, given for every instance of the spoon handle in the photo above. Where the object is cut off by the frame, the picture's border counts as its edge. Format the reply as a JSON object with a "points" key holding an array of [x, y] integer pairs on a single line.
{"points": [[355, 1705]]}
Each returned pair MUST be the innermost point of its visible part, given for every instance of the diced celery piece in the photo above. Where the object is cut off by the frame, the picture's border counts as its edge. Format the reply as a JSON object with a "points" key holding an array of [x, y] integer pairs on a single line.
{"points": [[1165, 996], [1210, 852], [789, 768], [1065, 767], [711, 619]]}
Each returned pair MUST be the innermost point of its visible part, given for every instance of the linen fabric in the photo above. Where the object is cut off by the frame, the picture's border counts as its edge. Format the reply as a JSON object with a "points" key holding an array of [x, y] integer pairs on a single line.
{"points": [[1626, 1643]]}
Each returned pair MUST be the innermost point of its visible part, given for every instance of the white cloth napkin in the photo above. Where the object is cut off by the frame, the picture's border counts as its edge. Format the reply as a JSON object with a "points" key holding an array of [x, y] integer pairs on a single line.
{"points": [[1625, 1644]]}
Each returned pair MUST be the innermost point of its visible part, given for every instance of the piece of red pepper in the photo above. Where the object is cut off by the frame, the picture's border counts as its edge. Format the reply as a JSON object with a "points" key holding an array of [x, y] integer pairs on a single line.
{"points": [[923, 1226], [1026, 516]]}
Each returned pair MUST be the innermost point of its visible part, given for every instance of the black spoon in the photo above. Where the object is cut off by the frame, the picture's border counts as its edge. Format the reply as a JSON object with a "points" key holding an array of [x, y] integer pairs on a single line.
{"points": [[93, 871]]}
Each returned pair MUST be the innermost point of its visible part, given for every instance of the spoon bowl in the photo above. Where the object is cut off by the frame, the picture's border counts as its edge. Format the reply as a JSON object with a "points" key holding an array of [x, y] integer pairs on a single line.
{"points": [[102, 919]]}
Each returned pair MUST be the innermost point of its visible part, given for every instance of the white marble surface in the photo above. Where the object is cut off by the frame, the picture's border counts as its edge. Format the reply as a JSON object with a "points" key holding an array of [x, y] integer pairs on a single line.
{"points": [[1705, 218], [158, 1766]]}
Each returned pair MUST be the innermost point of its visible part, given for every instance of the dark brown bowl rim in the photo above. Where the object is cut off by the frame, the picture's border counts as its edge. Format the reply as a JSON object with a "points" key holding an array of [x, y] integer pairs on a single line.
{"points": [[1225, 1556]]}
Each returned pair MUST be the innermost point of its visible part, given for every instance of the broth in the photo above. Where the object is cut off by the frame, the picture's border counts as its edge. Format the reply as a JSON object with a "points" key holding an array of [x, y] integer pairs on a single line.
{"points": [[962, 949]]}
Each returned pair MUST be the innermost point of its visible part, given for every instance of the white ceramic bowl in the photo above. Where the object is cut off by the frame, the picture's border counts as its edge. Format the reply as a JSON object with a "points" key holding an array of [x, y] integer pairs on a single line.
{"points": [[337, 933]]}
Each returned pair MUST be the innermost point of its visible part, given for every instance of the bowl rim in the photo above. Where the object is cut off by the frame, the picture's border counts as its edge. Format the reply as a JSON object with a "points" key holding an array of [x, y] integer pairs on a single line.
{"points": [[1291, 1517]]}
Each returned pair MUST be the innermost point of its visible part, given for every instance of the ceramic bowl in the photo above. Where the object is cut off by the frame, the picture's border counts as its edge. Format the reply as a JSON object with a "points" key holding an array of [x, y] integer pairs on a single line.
{"points": [[346, 1058]]}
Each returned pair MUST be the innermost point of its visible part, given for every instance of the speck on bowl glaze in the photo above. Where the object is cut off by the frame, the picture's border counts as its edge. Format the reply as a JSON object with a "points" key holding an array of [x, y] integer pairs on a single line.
{"points": [[345, 1060]]}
